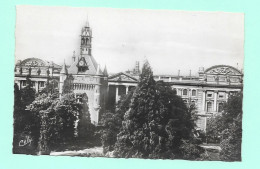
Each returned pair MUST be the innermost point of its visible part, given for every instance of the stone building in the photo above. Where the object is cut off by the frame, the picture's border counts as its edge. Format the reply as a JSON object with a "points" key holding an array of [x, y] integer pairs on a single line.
{"points": [[86, 77], [208, 91], [39, 71]]}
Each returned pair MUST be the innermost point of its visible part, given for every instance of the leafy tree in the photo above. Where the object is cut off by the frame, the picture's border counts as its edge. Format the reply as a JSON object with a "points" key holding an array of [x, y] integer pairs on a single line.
{"points": [[68, 85], [214, 128], [112, 122], [51, 88], [35, 111], [18, 118], [226, 129], [156, 124], [22, 118], [85, 129], [27, 93], [58, 121], [232, 133]]}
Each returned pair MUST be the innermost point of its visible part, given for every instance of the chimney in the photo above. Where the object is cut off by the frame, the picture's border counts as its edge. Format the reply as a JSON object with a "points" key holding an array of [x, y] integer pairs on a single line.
{"points": [[201, 69], [137, 67]]}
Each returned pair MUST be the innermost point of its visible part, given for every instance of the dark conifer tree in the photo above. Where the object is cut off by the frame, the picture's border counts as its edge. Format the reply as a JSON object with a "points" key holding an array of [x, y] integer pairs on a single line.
{"points": [[157, 123]]}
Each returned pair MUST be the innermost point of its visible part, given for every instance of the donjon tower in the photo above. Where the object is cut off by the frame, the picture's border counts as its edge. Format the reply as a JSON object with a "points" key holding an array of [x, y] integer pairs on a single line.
{"points": [[87, 80]]}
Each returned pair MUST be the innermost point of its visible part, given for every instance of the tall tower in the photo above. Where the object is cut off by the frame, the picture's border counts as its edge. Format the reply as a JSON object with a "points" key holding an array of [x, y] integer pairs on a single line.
{"points": [[63, 76], [86, 38]]}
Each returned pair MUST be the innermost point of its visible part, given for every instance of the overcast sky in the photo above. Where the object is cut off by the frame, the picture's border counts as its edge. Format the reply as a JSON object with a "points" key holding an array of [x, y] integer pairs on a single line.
{"points": [[169, 40]]}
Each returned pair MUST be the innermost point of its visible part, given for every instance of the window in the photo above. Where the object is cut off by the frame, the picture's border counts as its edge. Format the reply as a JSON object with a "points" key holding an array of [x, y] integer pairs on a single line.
{"points": [[41, 84], [33, 84], [185, 92], [221, 95], [220, 107], [209, 107], [193, 93], [209, 95], [23, 83]]}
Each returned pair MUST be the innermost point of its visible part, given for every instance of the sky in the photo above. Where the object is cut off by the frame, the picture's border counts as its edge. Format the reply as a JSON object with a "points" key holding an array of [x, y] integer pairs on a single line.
{"points": [[169, 40]]}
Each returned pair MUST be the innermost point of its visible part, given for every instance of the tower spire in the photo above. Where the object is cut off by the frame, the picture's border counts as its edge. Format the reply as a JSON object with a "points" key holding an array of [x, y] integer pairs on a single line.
{"points": [[86, 38], [64, 69], [87, 23], [105, 71]]}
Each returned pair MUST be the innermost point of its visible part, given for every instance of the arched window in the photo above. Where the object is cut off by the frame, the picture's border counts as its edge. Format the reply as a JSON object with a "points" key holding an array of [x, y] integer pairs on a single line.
{"points": [[82, 41], [193, 93], [185, 92], [209, 107]]}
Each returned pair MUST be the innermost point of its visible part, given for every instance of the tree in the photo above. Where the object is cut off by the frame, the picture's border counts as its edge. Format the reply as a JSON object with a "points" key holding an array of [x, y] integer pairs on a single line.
{"points": [[156, 124], [232, 133], [27, 93], [22, 118], [112, 122], [85, 129], [215, 127], [53, 121], [18, 118], [51, 87], [226, 129], [68, 85]]}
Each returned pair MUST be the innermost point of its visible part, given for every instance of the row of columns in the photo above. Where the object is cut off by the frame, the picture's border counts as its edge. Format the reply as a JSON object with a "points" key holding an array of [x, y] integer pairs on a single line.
{"points": [[204, 100], [117, 93], [36, 84]]}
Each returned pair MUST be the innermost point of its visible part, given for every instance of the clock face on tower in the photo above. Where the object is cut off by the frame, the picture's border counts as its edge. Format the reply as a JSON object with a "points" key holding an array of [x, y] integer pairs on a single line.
{"points": [[81, 63]]}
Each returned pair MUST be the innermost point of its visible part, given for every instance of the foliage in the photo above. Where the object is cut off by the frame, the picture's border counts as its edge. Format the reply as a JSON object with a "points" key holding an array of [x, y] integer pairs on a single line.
{"points": [[27, 93], [22, 118], [68, 85], [51, 87], [112, 122], [232, 133], [214, 128], [85, 129], [58, 119], [226, 129], [156, 123], [191, 149]]}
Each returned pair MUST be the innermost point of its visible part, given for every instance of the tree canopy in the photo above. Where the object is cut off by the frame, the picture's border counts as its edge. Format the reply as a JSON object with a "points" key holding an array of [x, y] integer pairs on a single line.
{"points": [[156, 124]]}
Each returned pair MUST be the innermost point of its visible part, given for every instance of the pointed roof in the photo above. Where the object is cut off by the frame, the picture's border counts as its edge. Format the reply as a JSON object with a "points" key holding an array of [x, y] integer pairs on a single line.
{"points": [[91, 62], [99, 72], [87, 23], [64, 69], [121, 76], [105, 71]]}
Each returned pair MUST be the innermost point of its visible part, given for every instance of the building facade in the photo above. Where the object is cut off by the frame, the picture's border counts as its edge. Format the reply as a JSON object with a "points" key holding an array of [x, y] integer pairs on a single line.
{"points": [[208, 91], [85, 77], [40, 72]]}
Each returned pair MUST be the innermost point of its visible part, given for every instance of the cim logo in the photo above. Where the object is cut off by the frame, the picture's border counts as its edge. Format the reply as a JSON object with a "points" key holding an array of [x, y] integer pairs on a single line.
{"points": [[25, 140]]}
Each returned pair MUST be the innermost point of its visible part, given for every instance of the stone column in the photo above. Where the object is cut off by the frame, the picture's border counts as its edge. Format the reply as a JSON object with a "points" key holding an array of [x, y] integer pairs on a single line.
{"points": [[117, 97], [203, 100], [36, 86], [215, 101], [19, 84], [126, 89], [227, 95]]}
